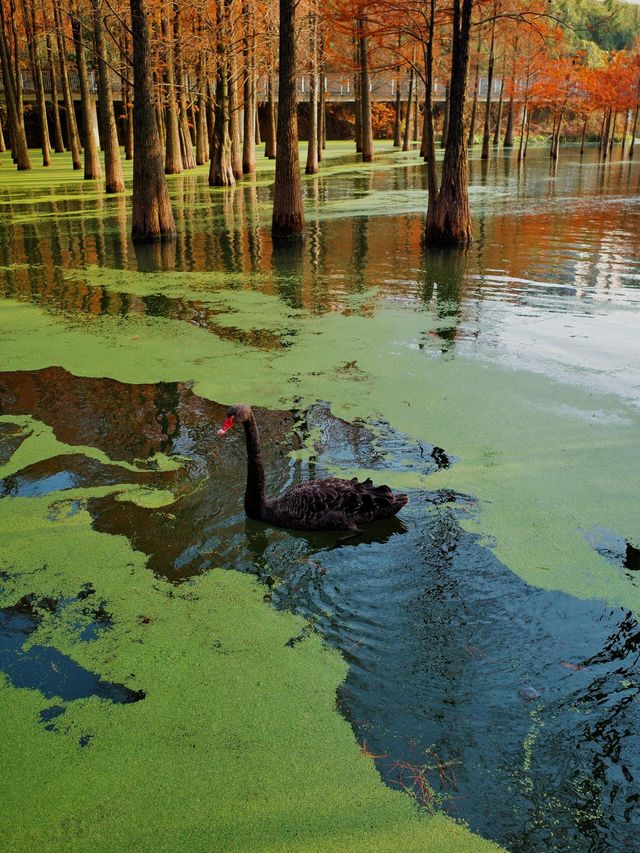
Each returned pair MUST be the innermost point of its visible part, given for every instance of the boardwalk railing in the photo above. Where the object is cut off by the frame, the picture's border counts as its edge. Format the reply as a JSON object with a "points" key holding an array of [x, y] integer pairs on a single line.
{"points": [[337, 87]]}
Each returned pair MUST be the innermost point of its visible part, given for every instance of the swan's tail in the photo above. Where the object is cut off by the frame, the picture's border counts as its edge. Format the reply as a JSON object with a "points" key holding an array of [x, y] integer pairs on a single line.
{"points": [[398, 501]]}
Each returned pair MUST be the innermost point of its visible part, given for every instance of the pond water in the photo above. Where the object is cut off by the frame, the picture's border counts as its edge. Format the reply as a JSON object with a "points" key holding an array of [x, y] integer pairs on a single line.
{"points": [[491, 629]]}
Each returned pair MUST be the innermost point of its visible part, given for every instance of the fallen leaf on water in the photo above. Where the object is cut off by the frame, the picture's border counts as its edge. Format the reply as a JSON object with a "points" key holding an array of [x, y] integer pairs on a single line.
{"points": [[575, 666]]}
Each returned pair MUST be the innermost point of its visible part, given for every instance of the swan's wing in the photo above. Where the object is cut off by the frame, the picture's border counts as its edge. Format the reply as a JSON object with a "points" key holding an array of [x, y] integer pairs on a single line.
{"points": [[315, 499]]}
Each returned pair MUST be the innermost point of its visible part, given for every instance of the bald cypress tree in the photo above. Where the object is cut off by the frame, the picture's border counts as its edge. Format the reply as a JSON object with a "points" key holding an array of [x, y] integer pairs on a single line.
{"points": [[449, 219], [152, 214], [288, 213], [114, 181]]}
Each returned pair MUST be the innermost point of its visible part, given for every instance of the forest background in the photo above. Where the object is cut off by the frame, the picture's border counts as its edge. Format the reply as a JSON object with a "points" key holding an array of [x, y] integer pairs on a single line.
{"points": [[185, 84]]}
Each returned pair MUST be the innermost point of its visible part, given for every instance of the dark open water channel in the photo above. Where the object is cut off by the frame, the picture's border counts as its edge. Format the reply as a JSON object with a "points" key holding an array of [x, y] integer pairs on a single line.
{"points": [[520, 706]]}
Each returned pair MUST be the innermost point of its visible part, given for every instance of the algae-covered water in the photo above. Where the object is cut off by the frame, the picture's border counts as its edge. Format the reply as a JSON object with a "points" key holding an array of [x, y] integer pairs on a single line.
{"points": [[489, 638]]}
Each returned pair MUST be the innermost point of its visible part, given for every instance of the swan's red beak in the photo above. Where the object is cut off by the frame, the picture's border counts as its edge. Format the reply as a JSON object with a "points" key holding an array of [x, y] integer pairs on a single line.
{"points": [[226, 426]]}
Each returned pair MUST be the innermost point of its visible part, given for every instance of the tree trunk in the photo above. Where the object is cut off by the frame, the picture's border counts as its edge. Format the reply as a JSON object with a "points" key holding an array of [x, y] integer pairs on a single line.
{"points": [[202, 130], [555, 146], [322, 111], [397, 124], [270, 143], [429, 132], [625, 130], [487, 108], [173, 151], [613, 132], [249, 90], [127, 101], [58, 141], [288, 213], [16, 125], [322, 117], [73, 137], [450, 219], [496, 135], [416, 113], [92, 167], [406, 143], [3, 145], [152, 215], [162, 130], [522, 131], [604, 133], [508, 134], [471, 138], [312, 145], [17, 70], [220, 168], [635, 127], [114, 182], [234, 118], [186, 142], [584, 134], [445, 119], [357, 90], [29, 21]]}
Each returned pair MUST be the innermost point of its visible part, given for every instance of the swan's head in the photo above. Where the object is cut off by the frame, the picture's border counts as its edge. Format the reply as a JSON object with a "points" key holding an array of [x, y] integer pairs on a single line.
{"points": [[236, 414]]}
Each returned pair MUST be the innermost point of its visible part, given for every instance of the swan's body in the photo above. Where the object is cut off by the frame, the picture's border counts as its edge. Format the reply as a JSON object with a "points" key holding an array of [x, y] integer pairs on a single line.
{"points": [[328, 504]]}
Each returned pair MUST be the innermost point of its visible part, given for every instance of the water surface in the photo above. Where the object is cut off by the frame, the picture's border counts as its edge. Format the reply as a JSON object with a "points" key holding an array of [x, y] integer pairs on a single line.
{"points": [[491, 629]]}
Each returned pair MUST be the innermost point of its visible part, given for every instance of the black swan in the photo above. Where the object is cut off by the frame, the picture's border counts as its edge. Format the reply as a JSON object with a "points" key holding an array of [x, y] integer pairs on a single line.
{"points": [[329, 504]]}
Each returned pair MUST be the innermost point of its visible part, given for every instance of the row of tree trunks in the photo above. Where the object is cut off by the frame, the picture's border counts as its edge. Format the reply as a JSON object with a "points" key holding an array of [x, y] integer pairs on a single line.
{"points": [[29, 21], [18, 136]]}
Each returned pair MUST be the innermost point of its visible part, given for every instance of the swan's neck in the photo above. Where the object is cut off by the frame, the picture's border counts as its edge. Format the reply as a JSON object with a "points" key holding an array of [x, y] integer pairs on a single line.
{"points": [[254, 497]]}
